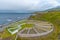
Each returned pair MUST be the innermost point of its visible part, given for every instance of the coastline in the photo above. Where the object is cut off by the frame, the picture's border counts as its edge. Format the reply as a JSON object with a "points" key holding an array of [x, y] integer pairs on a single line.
{"points": [[3, 26]]}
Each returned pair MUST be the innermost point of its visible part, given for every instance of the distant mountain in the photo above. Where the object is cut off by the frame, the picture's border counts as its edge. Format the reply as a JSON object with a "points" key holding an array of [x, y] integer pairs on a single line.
{"points": [[15, 11], [30, 11], [54, 9], [11, 11], [7, 11]]}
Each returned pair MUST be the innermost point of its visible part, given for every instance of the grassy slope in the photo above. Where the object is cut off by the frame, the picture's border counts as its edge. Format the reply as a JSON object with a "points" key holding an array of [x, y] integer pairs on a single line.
{"points": [[53, 17], [6, 35]]}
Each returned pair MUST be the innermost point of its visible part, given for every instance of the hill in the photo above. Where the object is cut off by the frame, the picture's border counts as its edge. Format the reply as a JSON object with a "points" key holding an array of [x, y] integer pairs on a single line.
{"points": [[53, 17]]}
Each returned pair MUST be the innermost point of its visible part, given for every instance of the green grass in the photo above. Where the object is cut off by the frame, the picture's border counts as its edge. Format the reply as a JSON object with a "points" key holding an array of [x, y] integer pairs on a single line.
{"points": [[52, 17], [13, 27], [6, 34], [27, 25]]}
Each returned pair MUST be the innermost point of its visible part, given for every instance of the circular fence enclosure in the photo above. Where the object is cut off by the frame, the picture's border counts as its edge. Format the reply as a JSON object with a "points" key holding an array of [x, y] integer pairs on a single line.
{"points": [[38, 28]]}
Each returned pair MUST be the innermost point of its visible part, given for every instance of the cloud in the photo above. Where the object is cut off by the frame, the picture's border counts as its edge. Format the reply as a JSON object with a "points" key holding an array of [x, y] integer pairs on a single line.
{"points": [[45, 4], [53, 2], [27, 5]]}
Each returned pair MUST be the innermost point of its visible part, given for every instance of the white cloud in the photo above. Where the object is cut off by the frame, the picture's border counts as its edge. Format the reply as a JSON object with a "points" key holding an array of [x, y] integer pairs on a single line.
{"points": [[45, 4], [16, 4], [53, 2], [27, 5]]}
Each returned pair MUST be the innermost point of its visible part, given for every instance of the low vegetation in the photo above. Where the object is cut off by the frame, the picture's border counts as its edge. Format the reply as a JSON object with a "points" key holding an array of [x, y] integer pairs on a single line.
{"points": [[52, 17]]}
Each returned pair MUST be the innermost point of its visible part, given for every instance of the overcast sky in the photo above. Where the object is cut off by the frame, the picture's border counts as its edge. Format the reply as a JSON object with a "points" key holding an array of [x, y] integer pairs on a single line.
{"points": [[27, 5]]}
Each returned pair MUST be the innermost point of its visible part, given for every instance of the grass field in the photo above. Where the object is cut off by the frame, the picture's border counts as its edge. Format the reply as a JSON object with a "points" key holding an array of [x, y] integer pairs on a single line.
{"points": [[52, 17], [6, 35], [11, 27], [9, 31]]}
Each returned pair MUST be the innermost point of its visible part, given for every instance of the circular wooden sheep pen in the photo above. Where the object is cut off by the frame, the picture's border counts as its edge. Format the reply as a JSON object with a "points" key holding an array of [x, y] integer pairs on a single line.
{"points": [[39, 28]]}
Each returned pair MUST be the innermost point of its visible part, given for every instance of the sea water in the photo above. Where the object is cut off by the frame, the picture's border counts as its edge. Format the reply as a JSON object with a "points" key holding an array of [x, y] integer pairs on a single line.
{"points": [[10, 17]]}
